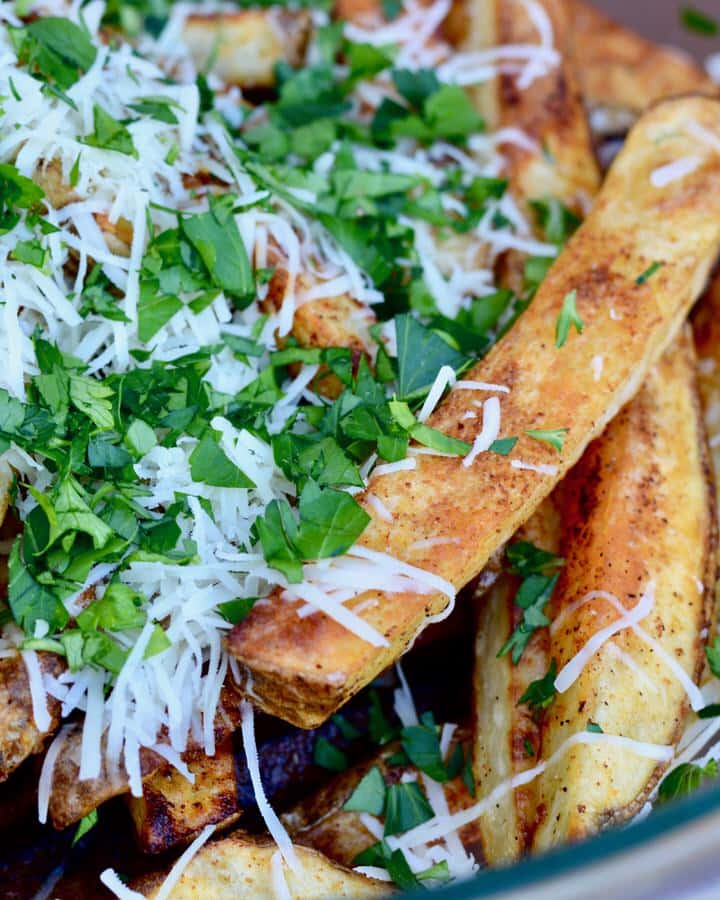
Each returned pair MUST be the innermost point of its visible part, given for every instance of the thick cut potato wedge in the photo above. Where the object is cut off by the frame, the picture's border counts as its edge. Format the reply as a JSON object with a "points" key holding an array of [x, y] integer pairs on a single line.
{"points": [[241, 866], [321, 822], [71, 798], [506, 733], [638, 509], [706, 330], [244, 47], [19, 735], [173, 811], [303, 670], [621, 72]]}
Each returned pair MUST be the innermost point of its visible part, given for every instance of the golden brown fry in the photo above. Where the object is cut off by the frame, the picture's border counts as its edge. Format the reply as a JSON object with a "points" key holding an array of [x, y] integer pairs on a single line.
{"points": [[622, 72], [320, 821], [639, 508], [507, 735], [19, 735], [244, 47], [173, 811], [303, 670], [239, 865]]}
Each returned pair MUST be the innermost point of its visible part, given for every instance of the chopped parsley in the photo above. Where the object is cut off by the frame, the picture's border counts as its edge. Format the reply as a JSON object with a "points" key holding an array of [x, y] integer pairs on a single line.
{"points": [[649, 272], [535, 566], [553, 436], [698, 21], [686, 778], [541, 692], [568, 317]]}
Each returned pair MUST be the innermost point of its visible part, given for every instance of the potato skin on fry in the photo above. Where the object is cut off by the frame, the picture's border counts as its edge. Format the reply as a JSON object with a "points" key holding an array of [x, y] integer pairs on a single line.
{"points": [[622, 71], [638, 508], [240, 866], [19, 735], [305, 669], [243, 47]]}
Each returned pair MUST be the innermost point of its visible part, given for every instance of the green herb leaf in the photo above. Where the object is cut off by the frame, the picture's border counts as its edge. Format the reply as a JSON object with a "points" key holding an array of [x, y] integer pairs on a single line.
{"points": [[568, 316], [541, 692], [649, 272], [712, 652], [556, 220], [158, 642], [210, 465], [235, 611], [594, 728], [698, 21], [328, 756], [421, 355], [110, 134], [684, 779], [553, 436], [54, 49], [503, 446], [526, 559], [87, 823], [369, 794], [30, 601], [406, 806], [532, 598]]}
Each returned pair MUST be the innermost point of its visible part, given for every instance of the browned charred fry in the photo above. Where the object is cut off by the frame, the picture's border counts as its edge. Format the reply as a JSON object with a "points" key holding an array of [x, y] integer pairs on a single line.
{"points": [[19, 735], [173, 811], [304, 669], [244, 47], [71, 798]]}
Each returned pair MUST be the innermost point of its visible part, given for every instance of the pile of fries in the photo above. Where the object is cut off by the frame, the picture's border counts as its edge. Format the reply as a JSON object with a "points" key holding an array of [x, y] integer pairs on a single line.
{"points": [[583, 552]]}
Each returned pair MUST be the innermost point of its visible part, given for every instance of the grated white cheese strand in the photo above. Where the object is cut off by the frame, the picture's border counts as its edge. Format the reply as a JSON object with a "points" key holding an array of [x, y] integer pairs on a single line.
{"points": [[444, 378], [674, 171], [541, 469], [46, 773], [695, 694], [279, 884], [439, 827], [38, 695], [379, 507], [571, 671], [489, 433], [274, 825], [402, 465], [175, 874], [113, 882]]}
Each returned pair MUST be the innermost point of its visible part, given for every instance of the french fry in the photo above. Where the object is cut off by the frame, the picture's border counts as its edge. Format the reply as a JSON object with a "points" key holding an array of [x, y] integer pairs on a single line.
{"points": [[19, 735], [244, 47], [638, 510], [222, 868], [173, 811], [303, 670], [72, 798], [622, 73], [506, 734]]}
